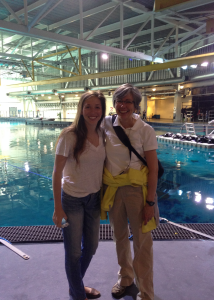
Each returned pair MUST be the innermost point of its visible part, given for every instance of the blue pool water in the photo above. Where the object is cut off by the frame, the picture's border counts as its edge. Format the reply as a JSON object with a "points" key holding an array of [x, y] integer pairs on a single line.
{"points": [[185, 192]]}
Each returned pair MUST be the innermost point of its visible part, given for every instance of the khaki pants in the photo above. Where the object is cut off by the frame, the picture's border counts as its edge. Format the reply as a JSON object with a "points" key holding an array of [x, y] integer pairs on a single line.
{"points": [[128, 203]]}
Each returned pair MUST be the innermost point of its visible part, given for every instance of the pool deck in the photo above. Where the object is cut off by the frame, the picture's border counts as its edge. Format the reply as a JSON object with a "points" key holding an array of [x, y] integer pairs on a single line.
{"points": [[183, 270]]}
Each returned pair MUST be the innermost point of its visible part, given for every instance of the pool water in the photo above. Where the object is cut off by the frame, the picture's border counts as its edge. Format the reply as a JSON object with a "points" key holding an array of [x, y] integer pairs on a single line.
{"points": [[186, 190]]}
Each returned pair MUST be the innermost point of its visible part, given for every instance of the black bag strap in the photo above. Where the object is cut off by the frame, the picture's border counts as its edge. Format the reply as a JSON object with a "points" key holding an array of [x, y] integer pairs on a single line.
{"points": [[125, 140]]}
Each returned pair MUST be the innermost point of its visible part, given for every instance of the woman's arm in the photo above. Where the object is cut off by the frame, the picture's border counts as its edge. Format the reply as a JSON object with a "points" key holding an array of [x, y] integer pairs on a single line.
{"points": [[152, 163], [59, 165]]}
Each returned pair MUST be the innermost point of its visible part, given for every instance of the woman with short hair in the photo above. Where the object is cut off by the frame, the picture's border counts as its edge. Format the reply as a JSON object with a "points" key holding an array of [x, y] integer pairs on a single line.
{"points": [[130, 192]]}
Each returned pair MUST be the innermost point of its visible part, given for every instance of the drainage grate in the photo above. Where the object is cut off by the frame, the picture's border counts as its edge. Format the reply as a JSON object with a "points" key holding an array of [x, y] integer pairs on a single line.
{"points": [[51, 233]]}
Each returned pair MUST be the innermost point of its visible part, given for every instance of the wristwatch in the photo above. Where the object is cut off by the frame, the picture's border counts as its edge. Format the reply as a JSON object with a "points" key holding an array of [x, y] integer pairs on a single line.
{"points": [[151, 203]]}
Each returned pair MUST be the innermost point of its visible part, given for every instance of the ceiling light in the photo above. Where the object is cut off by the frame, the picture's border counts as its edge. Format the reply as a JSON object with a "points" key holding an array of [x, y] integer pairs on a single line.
{"points": [[181, 87], [184, 67], [204, 64], [76, 95], [104, 56], [42, 95], [154, 90], [36, 98], [62, 96], [193, 66], [49, 97]]}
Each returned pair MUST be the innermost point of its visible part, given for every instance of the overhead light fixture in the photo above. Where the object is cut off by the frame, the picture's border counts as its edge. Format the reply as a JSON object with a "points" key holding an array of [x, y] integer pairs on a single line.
{"points": [[154, 90], [184, 67], [194, 66], [181, 87], [62, 96], [37, 98], [76, 95], [49, 97], [204, 64], [42, 95], [104, 56]]}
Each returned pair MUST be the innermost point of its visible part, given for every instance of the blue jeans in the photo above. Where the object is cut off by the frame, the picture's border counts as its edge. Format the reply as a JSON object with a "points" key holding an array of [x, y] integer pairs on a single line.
{"points": [[80, 238]]}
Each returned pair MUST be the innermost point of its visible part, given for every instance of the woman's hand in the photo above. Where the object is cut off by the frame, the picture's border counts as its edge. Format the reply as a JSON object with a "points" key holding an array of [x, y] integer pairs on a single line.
{"points": [[148, 213], [58, 215]]}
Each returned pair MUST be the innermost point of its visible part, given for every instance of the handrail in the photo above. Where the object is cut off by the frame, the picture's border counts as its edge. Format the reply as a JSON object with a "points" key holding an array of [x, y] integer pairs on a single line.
{"points": [[182, 127]]}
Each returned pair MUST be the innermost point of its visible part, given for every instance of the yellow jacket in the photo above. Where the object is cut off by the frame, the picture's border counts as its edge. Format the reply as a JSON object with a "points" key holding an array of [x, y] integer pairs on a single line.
{"points": [[132, 177]]}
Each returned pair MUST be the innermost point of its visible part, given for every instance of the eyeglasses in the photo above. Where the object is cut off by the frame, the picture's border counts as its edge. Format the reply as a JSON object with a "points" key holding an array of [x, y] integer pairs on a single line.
{"points": [[120, 102]]}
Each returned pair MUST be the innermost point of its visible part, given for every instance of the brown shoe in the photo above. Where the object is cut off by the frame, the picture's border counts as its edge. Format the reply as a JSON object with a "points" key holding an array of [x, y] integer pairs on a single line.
{"points": [[92, 293], [118, 290]]}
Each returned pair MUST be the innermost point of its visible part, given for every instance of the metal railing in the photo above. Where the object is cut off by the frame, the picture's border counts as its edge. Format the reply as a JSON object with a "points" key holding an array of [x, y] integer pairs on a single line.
{"points": [[193, 129]]}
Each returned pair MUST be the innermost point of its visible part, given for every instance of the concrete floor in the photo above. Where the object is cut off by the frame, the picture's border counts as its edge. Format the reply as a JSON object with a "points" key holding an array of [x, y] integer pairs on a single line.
{"points": [[183, 270]]}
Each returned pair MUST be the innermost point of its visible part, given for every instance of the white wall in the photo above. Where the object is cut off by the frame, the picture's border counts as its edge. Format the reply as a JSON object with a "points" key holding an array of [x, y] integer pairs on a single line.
{"points": [[164, 108]]}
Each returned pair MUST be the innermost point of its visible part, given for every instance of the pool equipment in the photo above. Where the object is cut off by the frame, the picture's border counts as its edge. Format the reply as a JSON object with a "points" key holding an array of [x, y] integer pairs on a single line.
{"points": [[14, 249], [190, 138], [163, 220]]}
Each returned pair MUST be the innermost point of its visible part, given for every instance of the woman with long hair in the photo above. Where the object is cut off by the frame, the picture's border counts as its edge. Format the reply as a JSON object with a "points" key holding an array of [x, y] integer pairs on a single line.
{"points": [[80, 155]]}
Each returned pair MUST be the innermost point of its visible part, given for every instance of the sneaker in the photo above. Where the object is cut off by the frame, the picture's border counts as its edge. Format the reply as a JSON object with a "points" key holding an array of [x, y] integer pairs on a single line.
{"points": [[118, 290]]}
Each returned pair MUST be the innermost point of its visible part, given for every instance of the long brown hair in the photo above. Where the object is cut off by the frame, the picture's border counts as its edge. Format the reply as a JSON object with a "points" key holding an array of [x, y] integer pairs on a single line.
{"points": [[79, 127]]}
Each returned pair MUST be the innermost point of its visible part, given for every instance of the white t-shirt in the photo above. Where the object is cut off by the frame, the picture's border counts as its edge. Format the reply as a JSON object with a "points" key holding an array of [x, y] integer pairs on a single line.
{"points": [[80, 180], [142, 137]]}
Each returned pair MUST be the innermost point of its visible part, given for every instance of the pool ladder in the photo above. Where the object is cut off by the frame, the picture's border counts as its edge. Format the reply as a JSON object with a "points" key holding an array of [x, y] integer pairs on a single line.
{"points": [[190, 128]]}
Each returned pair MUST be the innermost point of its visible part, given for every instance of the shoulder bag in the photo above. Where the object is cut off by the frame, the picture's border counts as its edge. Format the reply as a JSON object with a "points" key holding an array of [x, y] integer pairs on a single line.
{"points": [[125, 140]]}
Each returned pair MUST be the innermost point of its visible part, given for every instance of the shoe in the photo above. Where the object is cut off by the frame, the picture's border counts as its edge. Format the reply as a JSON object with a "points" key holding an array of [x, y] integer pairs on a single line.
{"points": [[91, 293], [118, 290]]}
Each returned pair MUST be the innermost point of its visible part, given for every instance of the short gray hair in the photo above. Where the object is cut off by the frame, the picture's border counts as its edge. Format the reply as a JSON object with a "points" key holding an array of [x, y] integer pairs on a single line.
{"points": [[125, 89]]}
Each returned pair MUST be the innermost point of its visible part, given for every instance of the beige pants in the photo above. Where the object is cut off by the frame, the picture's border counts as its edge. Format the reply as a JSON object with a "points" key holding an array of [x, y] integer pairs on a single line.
{"points": [[128, 203]]}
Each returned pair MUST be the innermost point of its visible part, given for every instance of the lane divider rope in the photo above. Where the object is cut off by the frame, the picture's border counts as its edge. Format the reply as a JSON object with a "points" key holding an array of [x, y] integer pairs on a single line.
{"points": [[30, 172]]}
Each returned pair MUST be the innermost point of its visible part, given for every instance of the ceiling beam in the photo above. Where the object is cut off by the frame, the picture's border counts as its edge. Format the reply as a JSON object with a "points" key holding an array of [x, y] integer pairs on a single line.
{"points": [[85, 14], [7, 6], [106, 17], [182, 39], [40, 13], [30, 7], [159, 15], [58, 38], [190, 5], [142, 33], [149, 68], [137, 33]]}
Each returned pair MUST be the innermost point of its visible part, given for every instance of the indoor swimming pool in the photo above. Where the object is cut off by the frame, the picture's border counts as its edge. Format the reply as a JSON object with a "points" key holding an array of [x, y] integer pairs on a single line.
{"points": [[186, 191]]}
